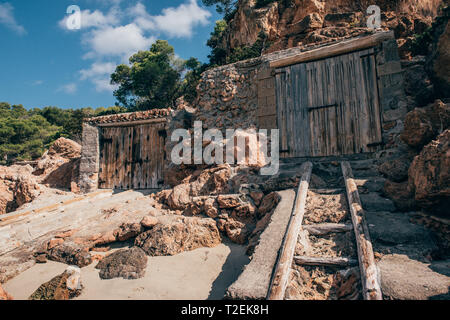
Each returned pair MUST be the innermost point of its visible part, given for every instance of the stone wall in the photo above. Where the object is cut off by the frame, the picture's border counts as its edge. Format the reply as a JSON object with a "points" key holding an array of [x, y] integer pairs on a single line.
{"points": [[90, 155]]}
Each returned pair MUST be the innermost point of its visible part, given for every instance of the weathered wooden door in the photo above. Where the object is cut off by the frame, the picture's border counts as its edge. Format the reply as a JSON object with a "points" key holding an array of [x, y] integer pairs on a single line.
{"points": [[132, 157], [329, 107]]}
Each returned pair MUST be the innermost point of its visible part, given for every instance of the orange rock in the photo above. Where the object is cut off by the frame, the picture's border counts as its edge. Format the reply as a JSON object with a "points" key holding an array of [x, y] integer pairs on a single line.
{"points": [[148, 222], [65, 234], [4, 295], [55, 242]]}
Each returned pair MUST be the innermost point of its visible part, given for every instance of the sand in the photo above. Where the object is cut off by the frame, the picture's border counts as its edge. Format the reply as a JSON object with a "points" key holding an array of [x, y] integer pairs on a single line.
{"points": [[201, 274]]}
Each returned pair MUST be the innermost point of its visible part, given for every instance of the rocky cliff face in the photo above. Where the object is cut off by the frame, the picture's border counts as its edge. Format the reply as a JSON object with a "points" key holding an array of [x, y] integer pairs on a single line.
{"points": [[289, 23]]}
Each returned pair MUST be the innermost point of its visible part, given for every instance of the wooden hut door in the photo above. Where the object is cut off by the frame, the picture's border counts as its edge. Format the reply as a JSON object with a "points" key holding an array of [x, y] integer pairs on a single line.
{"points": [[329, 107], [131, 157]]}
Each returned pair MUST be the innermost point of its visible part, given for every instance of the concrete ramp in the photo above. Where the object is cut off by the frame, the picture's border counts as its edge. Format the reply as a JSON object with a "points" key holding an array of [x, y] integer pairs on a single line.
{"points": [[254, 282]]}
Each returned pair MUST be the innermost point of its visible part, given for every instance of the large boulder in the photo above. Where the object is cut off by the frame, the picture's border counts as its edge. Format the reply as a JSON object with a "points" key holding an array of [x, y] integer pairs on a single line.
{"points": [[179, 235], [429, 175], [441, 63], [70, 253], [62, 287], [396, 169], [125, 263], [210, 181], [65, 148], [403, 278], [401, 194], [59, 166], [423, 124], [17, 187]]}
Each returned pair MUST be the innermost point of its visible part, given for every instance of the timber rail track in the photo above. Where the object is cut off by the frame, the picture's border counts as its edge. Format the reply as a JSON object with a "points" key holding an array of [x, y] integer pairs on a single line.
{"points": [[325, 235]]}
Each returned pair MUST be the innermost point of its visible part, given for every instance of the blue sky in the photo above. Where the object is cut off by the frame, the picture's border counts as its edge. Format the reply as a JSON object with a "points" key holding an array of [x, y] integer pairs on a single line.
{"points": [[42, 63]]}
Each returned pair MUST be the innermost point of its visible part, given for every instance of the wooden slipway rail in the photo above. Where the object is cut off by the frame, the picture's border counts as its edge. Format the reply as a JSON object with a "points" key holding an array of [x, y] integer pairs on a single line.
{"points": [[296, 233]]}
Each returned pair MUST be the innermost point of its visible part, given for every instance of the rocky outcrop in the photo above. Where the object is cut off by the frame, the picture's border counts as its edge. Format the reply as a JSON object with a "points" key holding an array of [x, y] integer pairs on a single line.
{"points": [[17, 187], [429, 175], [423, 124], [69, 252], [183, 234], [59, 167], [288, 24], [125, 263], [440, 57], [62, 287], [400, 279], [396, 169], [207, 182]]}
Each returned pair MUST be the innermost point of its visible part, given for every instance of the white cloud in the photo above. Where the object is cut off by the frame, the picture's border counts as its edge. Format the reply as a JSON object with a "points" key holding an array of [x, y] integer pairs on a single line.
{"points": [[7, 18], [176, 22], [94, 19], [69, 88], [37, 83], [180, 21], [111, 38], [117, 41], [99, 74]]}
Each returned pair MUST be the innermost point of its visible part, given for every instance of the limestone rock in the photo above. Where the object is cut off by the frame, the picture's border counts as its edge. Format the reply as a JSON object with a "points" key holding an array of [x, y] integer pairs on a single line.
{"points": [[65, 148], [149, 221], [125, 263], [128, 230], [441, 64], [395, 170], [17, 187], [418, 129], [429, 175], [228, 201], [423, 124], [400, 193], [184, 234], [62, 287], [268, 203], [403, 278], [70, 253]]}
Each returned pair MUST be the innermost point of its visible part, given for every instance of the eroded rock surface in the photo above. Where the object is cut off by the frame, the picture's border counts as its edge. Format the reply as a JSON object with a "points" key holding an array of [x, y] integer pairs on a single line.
{"points": [[429, 175], [183, 234], [125, 263]]}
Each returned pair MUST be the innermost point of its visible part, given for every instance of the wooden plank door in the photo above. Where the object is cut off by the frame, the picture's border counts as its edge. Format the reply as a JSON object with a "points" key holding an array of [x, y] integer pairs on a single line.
{"points": [[131, 157], [329, 107]]}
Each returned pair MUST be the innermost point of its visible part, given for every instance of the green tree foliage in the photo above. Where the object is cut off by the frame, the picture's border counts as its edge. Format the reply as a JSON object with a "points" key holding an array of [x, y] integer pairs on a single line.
{"points": [[152, 80], [25, 134], [188, 87], [226, 7], [219, 53]]}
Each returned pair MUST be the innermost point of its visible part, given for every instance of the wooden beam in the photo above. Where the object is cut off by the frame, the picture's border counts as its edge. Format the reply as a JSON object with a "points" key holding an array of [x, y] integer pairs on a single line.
{"points": [[326, 228], [335, 49], [367, 266], [325, 261], [280, 277]]}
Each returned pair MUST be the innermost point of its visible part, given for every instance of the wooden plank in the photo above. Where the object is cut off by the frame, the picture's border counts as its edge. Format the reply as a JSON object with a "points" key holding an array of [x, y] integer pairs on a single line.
{"points": [[281, 275], [327, 228], [367, 266], [325, 261], [335, 49]]}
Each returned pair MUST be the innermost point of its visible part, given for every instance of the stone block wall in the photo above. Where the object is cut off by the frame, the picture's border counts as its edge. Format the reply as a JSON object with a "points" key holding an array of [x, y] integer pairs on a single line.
{"points": [[90, 158]]}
